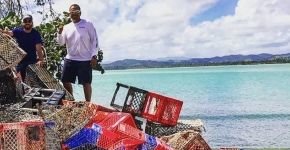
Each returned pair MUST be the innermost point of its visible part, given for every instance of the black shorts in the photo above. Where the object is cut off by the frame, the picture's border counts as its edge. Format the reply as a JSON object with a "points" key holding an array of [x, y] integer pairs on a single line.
{"points": [[22, 68], [81, 69]]}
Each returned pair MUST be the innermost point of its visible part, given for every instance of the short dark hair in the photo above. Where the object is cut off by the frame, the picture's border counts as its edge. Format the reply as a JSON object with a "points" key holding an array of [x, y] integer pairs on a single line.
{"points": [[76, 5]]}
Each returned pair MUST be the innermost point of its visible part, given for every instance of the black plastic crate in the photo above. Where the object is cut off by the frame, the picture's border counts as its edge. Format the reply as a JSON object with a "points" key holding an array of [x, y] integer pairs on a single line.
{"points": [[87, 146], [134, 101], [138, 123], [159, 130]]}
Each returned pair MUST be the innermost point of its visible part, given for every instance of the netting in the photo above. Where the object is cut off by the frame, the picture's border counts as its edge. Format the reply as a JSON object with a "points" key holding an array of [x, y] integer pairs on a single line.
{"points": [[87, 146], [12, 136], [86, 135], [51, 138], [126, 144], [35, 135], [10, 53], [186, 140], [39, 77], [69, 119], [152, 143], [7, 87], [159, 130], [13, 114], [134, 101]]}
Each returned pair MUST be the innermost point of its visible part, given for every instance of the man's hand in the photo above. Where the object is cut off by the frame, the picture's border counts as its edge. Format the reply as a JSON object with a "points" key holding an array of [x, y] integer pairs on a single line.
{"points": [[15, 79], [10, 33], [60, 28], [39, 63], [94, 62]]}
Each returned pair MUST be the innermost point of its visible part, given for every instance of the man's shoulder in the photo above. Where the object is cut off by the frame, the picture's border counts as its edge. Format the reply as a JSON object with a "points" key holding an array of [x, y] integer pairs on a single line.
{"points": [[35, 31], [69, 24], [87, 21], [18, 29]]}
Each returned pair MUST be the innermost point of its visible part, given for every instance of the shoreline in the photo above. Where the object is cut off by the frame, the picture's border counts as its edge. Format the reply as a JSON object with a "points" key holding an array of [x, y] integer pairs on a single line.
{"points": [[181, 66]]}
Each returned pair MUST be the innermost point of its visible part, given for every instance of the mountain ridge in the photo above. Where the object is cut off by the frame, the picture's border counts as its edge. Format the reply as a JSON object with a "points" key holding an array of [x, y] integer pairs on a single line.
{"points": [[183, 60]]}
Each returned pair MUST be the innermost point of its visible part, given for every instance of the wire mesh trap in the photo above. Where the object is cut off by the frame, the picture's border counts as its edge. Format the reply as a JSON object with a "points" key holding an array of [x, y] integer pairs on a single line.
{"points": [[39, 77], [7, 87], [69, 119], [190, 140], [10, 53], [159, 130]]}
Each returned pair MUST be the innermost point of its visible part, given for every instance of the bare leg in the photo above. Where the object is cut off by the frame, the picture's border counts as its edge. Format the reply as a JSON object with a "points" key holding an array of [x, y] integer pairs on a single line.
{"points": [[68, 87], [88, 91], [19, 76]]}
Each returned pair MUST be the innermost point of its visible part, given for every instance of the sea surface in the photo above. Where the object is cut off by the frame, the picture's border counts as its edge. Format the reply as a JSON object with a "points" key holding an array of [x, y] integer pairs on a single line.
{"points": [[240, 106]]}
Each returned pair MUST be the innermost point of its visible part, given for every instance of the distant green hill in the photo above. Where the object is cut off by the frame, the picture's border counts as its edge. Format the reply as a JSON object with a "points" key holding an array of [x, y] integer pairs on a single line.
{"points": [[187, 62]]}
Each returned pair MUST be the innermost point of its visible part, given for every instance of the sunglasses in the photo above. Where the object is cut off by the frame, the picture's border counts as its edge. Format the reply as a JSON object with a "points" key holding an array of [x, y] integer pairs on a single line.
{"points": [[75, 12], [27, 21]]}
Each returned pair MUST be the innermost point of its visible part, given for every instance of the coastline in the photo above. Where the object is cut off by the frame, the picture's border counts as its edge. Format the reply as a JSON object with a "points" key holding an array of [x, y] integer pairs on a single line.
{"points": [[179, 65]]}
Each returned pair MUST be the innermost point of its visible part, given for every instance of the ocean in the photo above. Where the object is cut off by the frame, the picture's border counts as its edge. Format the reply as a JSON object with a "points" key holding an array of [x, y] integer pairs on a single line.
{"points": [[241, 106]]}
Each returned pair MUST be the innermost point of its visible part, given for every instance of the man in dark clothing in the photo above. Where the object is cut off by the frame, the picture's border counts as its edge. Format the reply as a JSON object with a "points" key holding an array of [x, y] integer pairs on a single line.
{"points": [[30, 41]]}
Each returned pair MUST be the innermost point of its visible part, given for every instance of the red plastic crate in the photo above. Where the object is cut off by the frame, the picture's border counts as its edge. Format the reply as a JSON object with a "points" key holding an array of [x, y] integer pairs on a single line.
{"points": [[126, 131], [100, 115], [161, 109], [106, 139], [112, 121], [22, 136], [35, 135], [99, 107], [161, 145], [126, 144], [12, 136]]}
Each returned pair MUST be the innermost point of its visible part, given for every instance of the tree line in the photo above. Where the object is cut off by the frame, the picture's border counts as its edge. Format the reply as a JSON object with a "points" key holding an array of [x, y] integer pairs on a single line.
{"points": [[280, 60]]}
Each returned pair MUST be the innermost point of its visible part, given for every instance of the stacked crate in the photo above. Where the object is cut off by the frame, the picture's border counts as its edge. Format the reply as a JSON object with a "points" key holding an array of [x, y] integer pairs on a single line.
{"points": [[160, 112], [153, 107], [23, 136]]}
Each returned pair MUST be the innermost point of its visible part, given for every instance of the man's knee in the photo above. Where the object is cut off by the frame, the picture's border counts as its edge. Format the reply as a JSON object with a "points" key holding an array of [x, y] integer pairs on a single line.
{"points": [[66, 83], [86, 85], [68, 86]]}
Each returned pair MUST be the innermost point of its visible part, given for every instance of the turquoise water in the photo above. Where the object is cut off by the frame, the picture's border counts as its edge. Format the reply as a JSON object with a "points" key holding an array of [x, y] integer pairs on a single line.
{"points": [[240, 106]]}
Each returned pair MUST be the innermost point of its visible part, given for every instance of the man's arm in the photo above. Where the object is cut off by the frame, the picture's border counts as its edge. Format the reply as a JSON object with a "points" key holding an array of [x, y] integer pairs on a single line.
{"points": [[39, 51], [94, 39], [38, 45], [93, 44], [10, 33], [60, 35]]}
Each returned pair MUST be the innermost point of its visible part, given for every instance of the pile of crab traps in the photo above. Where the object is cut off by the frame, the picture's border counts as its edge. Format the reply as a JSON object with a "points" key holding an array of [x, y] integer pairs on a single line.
{"points": [[39, 114]]}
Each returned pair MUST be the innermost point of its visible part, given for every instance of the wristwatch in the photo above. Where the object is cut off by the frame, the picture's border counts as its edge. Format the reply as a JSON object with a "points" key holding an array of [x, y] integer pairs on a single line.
{"points": [[95, 56]]}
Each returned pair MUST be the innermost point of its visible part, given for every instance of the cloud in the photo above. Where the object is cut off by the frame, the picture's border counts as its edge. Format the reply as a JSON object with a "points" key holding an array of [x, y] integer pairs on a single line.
{"points": [[148, 29]]}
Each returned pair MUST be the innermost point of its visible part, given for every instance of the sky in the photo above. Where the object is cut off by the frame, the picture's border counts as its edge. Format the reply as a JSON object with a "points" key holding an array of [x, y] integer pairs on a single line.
{"points": [[150, 29]]}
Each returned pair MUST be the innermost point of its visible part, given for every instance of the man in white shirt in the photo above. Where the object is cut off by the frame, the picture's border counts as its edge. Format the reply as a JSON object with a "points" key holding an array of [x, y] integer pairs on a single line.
{"points": [[81, 42]]}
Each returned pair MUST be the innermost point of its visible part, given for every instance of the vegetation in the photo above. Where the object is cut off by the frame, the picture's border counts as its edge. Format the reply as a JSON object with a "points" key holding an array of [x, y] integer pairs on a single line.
{"points": [[19, 7], [137, 64], [54, 53]]}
